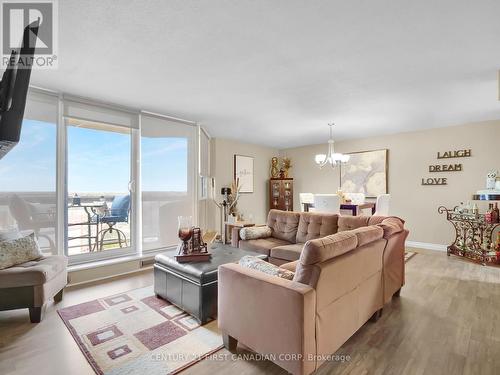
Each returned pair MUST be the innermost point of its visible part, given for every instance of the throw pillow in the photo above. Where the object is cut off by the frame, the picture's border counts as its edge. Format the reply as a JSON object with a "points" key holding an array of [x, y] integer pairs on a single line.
{"points": [[263, 266], [254, 233], [20, 250]]}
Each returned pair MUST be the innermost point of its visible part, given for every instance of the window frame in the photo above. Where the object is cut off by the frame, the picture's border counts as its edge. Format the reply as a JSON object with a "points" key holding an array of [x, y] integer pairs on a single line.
{"points": [[135, 179]]}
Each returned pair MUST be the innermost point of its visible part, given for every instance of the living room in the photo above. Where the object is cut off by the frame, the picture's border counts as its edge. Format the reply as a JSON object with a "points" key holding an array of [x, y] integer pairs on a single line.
{"points": [[317, 194]]}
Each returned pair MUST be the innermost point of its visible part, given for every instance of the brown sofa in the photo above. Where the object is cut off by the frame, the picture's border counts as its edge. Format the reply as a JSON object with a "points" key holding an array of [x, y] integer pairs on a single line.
{"points": [[290, 231], [340, 281]]}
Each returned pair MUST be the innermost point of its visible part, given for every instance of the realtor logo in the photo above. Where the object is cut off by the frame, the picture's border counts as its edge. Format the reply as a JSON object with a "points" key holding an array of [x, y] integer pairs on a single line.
{"points": [[16, 15]]}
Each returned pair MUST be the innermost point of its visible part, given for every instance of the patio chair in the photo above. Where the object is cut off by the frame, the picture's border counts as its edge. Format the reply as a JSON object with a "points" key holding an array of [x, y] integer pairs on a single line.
{"points": [[118, 213], [30, 217]]}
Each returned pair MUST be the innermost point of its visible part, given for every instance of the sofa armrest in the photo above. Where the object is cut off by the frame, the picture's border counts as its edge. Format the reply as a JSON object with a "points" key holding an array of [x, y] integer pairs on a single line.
{"points": [[269, 314], [290, 266]]}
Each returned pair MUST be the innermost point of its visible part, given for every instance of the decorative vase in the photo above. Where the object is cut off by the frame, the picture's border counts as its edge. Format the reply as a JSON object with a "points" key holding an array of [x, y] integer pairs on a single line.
{"points": [[185, 225], [274, 167]]}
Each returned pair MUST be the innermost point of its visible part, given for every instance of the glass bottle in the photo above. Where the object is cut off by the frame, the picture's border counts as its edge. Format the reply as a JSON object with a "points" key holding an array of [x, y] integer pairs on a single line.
{"points": [[488, 217]]}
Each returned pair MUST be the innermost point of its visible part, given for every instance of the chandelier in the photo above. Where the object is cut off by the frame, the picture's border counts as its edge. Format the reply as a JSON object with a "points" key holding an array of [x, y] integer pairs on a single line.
{"points": [[332, 158]]}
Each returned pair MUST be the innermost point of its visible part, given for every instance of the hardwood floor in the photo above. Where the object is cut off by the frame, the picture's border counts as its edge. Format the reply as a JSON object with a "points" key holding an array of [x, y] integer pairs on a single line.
{"points": [[447, 321]]}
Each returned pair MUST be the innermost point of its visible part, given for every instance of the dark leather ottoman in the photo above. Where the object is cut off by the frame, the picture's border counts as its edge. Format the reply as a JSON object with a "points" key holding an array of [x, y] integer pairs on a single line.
{"points": [[193, 286]]}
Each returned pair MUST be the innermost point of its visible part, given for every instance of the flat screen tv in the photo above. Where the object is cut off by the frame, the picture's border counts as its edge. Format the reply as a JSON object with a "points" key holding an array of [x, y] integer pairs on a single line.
{"points": [[14, 88]]}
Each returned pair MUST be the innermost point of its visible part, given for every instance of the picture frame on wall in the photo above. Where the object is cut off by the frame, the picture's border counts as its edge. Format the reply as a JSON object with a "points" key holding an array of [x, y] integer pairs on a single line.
{"points": [[366, 172], [243, 169]]}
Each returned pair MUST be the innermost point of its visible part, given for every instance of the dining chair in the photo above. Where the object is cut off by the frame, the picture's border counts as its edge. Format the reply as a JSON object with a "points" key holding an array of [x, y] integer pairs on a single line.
{"points": [[382, 206], [356, 198], [118, 213], [327, 203], [305, 198]]}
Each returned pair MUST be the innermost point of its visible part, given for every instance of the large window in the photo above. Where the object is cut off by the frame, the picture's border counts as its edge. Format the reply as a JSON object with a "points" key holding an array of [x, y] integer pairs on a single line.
{"points": [[96, 181], [28, 175], [167, 171]]}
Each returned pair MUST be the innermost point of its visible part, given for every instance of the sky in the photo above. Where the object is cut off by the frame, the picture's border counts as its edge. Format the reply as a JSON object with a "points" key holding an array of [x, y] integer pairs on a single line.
{"points": [[98, 161]]}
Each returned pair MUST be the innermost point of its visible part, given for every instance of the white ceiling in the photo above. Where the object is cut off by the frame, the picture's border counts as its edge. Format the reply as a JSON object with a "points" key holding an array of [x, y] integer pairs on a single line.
{"points": [[275, 72]]}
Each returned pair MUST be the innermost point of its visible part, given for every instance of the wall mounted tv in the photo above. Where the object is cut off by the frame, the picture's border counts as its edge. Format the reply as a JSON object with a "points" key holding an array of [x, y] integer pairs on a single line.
{"points": [[14, 88]]}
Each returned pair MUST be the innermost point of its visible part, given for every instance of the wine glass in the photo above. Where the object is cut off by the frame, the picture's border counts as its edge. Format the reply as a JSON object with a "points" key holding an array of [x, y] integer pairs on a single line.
{"points": [[185, 231]]}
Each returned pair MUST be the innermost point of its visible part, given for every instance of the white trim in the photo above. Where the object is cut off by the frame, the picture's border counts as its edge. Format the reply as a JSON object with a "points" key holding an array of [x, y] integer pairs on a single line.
{"points": [[61, 187], [136, 193], [426, 246], [143, 269], [171, 118], [99, 103], [41, 90], [109, 262]]}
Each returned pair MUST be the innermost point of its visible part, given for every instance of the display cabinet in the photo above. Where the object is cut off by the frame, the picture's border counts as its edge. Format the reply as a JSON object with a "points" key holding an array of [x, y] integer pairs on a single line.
{"points": [[281, 194]]}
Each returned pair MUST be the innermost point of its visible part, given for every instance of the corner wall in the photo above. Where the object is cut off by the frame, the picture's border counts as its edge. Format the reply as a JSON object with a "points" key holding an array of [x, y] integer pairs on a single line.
{"points": [[410, 155], [222, 155]]}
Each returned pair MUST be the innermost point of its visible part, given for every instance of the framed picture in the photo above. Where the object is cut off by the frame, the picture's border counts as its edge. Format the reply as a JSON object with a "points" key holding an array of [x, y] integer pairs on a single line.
{"points": [[243, 169], [365, 172]]}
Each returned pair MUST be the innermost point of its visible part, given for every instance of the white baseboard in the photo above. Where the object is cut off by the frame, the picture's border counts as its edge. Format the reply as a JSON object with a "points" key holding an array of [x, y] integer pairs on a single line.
{"points": [[426, 246]]}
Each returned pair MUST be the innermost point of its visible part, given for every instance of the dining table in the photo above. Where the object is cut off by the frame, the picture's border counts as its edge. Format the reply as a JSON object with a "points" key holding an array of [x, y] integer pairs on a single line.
{"points": [[354, 208]]}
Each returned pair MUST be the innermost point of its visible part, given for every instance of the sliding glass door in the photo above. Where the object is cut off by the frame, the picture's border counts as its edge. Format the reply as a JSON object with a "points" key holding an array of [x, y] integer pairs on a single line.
{"points": [[99, 200], [98, 178]]}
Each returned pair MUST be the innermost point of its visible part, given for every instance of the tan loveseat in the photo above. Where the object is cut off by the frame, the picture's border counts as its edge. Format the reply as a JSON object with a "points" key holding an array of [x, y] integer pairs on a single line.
{"points": [[31, 284], [340, 282]]}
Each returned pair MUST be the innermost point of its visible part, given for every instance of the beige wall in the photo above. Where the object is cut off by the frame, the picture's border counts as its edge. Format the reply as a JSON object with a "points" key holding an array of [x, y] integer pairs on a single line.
{"points": [[223, 151], [410, 155]]}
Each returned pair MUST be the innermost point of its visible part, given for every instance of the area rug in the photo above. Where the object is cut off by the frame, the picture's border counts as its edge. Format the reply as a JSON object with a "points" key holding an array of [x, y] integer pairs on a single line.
{"points": [[137, 333], [409, 255]]}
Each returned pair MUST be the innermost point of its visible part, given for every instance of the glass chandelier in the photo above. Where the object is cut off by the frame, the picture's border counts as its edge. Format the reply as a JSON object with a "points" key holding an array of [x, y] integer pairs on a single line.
{"points": [[332, 158]]}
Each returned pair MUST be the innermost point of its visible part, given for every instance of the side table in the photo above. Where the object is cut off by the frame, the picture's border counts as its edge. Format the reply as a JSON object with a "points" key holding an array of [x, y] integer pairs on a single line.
{"points": [[236, 224]]}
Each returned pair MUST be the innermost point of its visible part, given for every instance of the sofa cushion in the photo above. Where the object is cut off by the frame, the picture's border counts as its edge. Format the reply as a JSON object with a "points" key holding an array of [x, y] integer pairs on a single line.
{"points": [[287, 252], [254, 233], [284, 224], [321, 249], [19, 250], [33, 272], [315, 225], [263, 266], [262, 245], [352, 222], [368, 234]]}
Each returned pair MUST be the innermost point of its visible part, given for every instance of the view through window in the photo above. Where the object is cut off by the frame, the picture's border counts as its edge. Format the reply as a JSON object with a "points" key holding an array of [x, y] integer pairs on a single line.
{"points": [[28, 185], [166, 180], [98, 178]]}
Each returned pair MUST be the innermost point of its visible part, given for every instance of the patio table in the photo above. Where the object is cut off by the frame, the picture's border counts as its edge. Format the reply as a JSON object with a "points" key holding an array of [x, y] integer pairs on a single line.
{"points": [[91, 209]]}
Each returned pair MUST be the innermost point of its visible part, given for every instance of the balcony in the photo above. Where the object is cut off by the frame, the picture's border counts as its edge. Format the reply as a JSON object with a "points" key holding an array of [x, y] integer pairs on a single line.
{"points": [[36, 211]]}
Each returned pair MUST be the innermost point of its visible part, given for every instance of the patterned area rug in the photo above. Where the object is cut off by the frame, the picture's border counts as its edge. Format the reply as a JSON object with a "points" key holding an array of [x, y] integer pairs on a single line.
{"points": [[137, 333], [409, 255]]}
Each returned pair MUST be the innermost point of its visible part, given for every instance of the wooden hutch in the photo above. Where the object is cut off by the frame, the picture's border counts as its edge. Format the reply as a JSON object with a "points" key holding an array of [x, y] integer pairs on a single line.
{"points": [[281, 194]]}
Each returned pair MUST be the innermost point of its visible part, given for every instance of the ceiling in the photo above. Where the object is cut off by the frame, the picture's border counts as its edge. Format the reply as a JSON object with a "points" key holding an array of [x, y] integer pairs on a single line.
{"points": [[276, 72]]}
